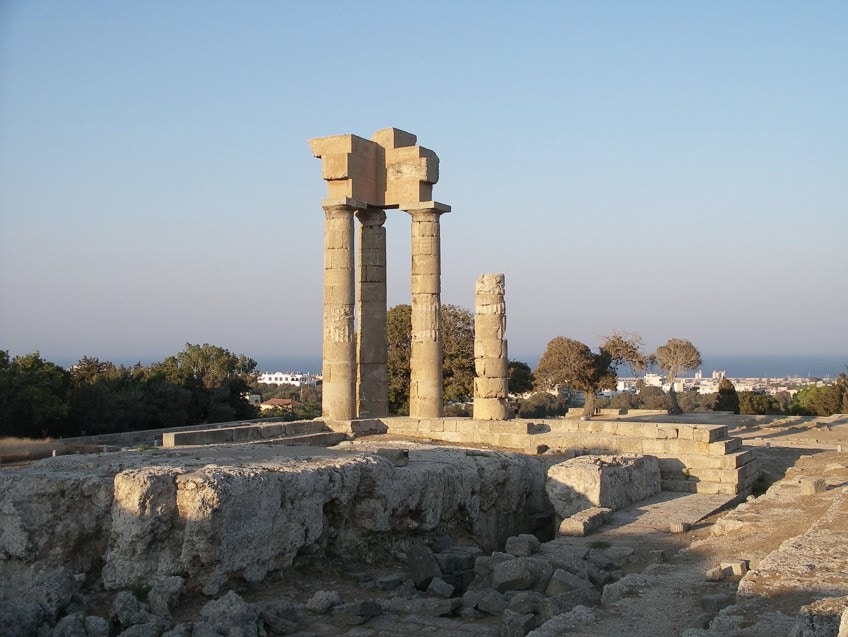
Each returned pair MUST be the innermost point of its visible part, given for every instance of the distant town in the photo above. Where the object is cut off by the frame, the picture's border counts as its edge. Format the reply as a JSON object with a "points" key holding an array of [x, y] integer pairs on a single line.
{"points": [[700, 383], [709, 385]]}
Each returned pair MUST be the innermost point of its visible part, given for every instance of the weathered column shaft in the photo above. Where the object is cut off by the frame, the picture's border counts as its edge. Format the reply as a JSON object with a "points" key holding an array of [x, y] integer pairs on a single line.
{"points": [[372, 387], [426, 383], [490, 350], [339, 347]]}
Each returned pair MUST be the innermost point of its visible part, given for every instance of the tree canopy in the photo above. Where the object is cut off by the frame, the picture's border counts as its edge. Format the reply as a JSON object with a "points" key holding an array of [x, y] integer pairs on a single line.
{"points": [[726, 399], [675, 357], [457, 354], [202, 383], [519, 377], [571, 363]]}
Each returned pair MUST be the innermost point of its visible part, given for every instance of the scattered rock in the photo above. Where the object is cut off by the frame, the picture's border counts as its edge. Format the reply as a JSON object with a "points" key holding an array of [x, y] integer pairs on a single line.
{"points": [[522, 545], [714, 603], [440, 588], [231, 611], [492, 603], [323, 601], [512, 575], [564, 582], [128, 611], [164, 594], [423, 566], [516, 624], [390, 582]]}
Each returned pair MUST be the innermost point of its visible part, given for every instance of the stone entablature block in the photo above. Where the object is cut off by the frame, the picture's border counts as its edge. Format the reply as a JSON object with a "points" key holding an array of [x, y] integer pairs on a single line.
{"points": [[387, 171]]}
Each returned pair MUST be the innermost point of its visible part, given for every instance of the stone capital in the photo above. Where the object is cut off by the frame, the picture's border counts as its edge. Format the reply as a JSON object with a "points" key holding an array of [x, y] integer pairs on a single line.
{"points": [[425, 208], [371, 217]]}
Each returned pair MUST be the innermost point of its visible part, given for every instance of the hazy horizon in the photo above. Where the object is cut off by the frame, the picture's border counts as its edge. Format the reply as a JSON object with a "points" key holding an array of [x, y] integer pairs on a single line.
{"points": [[736, 365], [676, 170]]}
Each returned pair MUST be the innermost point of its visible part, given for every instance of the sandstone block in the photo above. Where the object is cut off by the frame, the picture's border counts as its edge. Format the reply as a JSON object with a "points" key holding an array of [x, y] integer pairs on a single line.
{"points": [[737, 568], [823, 617], [564, 582], [423, 566], [516, 624], [511, 575], [607, 481], [811, 486], [522, 545], [526, 602], [492, 602], [585, 521]]}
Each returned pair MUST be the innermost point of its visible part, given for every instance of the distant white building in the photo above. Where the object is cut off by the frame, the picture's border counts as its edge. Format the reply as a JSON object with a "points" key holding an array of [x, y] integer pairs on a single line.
{"points": [[653, 380], [289, 378]]}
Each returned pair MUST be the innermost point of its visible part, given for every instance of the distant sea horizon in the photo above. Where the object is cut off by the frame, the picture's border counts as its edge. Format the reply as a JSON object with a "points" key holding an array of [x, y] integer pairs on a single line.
{"points": [[734, 365]]}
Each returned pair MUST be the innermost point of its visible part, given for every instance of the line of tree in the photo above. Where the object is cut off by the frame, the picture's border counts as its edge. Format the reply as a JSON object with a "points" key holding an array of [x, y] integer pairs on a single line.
{"points": [[200, 384]]}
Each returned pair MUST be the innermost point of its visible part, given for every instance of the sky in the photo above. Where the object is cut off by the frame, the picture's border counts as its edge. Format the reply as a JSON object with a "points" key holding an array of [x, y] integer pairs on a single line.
{"points": [[676, 169]]}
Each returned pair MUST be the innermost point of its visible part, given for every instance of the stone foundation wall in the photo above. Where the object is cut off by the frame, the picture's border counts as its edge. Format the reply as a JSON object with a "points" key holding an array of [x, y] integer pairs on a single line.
{"points": [[243, 512], [694, 458]]}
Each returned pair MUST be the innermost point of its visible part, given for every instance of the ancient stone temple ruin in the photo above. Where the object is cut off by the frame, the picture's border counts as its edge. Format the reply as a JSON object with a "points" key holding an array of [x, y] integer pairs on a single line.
{"points": [[482, 517], [364, 179]]}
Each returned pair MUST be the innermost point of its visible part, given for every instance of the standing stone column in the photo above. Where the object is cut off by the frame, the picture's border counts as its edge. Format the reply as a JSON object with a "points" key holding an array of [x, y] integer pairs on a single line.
{"points": [[426, 387], [339, 355], [490, 350], [372, 386]]}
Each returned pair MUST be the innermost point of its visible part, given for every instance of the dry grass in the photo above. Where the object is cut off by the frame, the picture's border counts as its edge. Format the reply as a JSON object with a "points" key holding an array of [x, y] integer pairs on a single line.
{"points": [[16, 451]]}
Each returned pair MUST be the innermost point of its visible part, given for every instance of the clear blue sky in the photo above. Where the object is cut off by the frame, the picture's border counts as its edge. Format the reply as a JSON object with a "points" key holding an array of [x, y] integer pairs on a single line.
{"points": [[676, 169]]}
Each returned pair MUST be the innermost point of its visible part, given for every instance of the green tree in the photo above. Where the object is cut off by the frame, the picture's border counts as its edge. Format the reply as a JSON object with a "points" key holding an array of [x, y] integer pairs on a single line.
{"points": [[399, 337], [457, 352], [519, 377], [675, 357], [826, 400], [571, 363], [540, 405], [33, 396], [651, 397], [217, 379], [726, 399], [755, 403]]}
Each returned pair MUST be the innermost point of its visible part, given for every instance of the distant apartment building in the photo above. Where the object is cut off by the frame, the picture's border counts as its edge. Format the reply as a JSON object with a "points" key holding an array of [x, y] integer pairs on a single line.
{"points": [[289, 378]]}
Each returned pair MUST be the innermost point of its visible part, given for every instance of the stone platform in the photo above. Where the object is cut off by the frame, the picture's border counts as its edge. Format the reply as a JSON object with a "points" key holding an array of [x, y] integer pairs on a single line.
{"points": [[693, 457]]}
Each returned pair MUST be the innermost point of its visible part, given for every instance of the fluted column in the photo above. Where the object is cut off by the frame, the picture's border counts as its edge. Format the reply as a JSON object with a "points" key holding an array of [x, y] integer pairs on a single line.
{"points": [[339, 348], [426, 388], [372, 386]]}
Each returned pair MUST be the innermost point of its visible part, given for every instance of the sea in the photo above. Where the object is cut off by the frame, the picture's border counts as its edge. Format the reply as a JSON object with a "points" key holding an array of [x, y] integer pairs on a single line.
{"points": [[734, 365]]}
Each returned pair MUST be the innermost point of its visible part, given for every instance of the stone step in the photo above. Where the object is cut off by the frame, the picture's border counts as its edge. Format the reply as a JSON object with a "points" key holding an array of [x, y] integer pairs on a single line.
{"points": [[243, 433], [322, 439]]}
